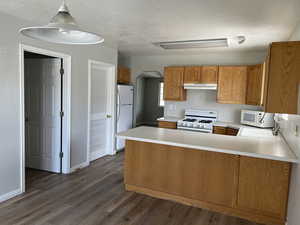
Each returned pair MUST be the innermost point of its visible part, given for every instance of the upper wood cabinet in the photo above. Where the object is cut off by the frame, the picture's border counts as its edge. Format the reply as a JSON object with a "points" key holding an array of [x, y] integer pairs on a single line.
{"points": [[192, 74], [173, 84], [254, 85], [209, 74], [232, 84], [282, 78], [201, 74], [123, 75]]}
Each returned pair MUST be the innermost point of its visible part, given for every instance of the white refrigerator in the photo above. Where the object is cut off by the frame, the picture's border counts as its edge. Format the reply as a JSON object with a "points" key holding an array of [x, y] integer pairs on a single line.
{"points": [[124, 111]]}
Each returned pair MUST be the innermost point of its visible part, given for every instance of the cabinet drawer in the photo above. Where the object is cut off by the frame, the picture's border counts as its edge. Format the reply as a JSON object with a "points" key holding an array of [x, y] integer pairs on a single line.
{"points": [[232, 131], [219, 130], [167, 124]]}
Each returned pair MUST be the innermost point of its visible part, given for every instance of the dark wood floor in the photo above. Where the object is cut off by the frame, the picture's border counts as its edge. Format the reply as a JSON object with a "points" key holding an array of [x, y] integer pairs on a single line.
{"points": [[96, 195]]}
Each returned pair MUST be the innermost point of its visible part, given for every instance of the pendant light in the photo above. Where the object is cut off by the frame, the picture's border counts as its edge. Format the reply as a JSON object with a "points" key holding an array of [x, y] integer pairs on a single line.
{"points": [[62, 29]]}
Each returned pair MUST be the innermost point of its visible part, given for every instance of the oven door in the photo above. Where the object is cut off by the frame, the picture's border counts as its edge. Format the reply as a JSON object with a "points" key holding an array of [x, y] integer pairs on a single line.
{"points": [[195, 129]]}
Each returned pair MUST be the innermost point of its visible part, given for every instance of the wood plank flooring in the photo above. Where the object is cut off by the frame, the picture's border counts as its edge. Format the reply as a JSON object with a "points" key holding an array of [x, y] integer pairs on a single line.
{"points": [[96, 196]]}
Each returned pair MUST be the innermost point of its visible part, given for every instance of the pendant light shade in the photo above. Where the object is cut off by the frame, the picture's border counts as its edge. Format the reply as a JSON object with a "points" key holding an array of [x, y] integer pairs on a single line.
{"points": [[62, 29]]}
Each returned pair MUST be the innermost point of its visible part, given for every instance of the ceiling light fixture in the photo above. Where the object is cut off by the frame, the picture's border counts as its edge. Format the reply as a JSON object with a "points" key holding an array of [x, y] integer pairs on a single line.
{"points": [[62, 29], [205, 43]]}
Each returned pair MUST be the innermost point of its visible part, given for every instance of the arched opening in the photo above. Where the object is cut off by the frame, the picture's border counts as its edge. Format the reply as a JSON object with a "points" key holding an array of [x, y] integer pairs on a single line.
{"points": [[149, 102]]}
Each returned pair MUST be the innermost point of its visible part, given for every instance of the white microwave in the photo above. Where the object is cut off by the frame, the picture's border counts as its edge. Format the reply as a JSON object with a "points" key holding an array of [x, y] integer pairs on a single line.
{"points": [[257, 119]]}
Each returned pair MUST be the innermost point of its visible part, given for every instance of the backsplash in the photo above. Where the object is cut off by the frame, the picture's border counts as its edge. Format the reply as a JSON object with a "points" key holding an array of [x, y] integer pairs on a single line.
{"points": [[206, 100], [288, 128]]}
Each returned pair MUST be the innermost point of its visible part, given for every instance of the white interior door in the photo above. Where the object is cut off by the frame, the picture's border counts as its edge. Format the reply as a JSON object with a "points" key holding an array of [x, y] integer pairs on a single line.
{"points": [[42, 113], [100, 133]]}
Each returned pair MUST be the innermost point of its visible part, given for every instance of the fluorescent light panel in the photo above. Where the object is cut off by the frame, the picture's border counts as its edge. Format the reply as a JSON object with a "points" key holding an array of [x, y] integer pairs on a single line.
{"points": [[205, 43]]}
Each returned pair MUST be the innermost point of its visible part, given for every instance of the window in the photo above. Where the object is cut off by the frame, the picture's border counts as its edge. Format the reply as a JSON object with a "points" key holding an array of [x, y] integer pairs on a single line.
{"points": [[161, 101]]}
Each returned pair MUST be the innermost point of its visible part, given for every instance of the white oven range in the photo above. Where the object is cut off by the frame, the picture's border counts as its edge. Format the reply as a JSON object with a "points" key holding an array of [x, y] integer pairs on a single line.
{"points": [[198, 120]]}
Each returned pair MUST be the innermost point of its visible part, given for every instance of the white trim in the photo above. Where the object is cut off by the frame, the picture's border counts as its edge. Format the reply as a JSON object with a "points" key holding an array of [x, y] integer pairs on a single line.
{"points": [[80, 166], [96, 155], [10, 195], [112, 104], [67, 106]]}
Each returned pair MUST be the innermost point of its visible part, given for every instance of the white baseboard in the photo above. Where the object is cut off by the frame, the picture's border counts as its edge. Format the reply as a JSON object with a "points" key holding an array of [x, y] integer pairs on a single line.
{"points": [[10, 195], [79, 166], [96, 155]]}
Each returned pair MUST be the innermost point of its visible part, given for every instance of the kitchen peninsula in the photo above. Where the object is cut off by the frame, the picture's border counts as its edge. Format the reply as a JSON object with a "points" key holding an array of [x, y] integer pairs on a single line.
{"points": [[241, 176]]}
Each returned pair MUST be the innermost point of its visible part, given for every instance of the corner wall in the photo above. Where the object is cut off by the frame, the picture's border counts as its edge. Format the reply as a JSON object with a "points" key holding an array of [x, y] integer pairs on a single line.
{"points": [[10, 167], [288, 125]]}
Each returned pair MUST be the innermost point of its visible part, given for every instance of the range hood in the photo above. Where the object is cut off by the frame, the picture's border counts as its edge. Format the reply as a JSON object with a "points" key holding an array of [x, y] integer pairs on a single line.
{"points": [[200, 86]]}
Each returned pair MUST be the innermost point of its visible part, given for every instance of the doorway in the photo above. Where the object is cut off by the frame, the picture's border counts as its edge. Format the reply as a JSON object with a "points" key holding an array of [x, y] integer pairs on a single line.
{"points": [[149, 99], [101, 110], [43, 88], [45, 115]]}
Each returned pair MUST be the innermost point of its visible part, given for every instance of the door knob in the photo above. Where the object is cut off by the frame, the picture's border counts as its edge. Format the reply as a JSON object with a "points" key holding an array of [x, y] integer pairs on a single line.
{"points": [[108, 116]]}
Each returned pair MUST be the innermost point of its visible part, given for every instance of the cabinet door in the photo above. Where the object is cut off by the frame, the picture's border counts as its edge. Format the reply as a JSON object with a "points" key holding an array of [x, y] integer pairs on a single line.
{"points": [[266, 67], [123, 75], [173, 84], [209, 74], [232, 131], [219, 130], [263, 186], [192, 74], [201, 175], [154, 166], [166, 124], [232, 84], [254, 85], [283, 78], [211, 177]]}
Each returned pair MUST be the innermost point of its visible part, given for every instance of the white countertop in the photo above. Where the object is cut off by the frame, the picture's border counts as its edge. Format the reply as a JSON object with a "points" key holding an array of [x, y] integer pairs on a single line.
{"points": [[227, 124], [169, 119], [259, 147]]}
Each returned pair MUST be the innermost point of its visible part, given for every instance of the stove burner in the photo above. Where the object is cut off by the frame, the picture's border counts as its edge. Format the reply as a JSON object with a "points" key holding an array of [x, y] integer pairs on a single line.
{"points": [[189, 120], [205, 121]]}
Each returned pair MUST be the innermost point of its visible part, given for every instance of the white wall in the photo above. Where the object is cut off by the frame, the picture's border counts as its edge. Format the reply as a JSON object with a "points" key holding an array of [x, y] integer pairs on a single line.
{"points": [[288, 124], [138, 64], [10, 98]]}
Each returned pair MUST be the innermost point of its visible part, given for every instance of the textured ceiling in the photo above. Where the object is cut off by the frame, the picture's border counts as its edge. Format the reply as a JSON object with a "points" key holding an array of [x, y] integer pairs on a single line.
{"points": [[133, 25]]}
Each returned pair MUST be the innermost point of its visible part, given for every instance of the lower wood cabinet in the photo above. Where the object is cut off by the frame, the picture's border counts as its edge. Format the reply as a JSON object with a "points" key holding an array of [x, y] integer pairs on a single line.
{"points": [[167, 124], [225, 130], [232, 131], [263, 186], [219, 130], [250, 188], [209, 176]]}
